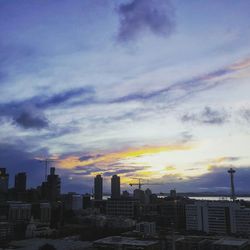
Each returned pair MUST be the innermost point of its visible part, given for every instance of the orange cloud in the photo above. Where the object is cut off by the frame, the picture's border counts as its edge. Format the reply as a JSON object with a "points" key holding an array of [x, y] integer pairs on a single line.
{"points": [[114, 157]]}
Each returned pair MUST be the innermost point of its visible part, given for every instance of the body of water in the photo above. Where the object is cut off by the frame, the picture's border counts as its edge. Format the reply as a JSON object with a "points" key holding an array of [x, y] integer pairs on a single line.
{"points": [[208, 198]]}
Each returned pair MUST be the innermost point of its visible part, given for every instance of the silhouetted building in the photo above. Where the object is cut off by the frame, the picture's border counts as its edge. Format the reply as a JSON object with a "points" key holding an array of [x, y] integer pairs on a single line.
{"points": [[125, 194], [173, 193], [98, 187], [4, 180], [86, 201], [139, 195], [173, 212], [20, 182], [41, 212], [148, 194], [51, 189], [122, 207], [54, 185], [72, 201], [115, 187]]}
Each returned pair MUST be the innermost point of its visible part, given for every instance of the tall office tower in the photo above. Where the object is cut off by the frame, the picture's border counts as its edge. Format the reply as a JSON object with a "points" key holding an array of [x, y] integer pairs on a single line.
{"points": [[98, 187], [20, 182], [211, 216], [53, 185], [115, 187], [4, 180], [173, 193]]}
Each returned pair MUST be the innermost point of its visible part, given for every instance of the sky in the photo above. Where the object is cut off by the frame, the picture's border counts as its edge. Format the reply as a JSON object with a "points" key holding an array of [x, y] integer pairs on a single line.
{"points": [[150, 89]]}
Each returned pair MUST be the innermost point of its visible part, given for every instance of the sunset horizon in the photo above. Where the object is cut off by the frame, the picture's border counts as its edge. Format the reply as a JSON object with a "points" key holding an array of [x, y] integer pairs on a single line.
{"points": [[156, 90]]}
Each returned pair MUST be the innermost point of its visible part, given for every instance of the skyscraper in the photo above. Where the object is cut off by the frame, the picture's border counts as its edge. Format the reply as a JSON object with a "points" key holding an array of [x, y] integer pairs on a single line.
{"points": [[98, 187], [20, 182], [115, 187], [53, 185], [4, 180]]}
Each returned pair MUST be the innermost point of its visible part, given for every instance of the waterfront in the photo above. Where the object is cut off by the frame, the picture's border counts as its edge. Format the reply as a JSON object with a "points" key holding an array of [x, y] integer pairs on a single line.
{"points": [[209, 198]]}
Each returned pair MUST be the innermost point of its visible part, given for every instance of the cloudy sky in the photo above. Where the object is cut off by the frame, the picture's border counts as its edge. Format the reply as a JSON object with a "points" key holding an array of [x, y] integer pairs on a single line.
{"points": [[151, 89]]}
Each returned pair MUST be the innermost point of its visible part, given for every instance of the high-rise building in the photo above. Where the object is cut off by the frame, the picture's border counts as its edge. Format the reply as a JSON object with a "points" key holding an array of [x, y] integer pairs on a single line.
{"points": [[242, 221], [4, 180], [173, 193], [20, 182], [139, 195], [53, 186], [98, 187], [115, 187], [211, 217]]}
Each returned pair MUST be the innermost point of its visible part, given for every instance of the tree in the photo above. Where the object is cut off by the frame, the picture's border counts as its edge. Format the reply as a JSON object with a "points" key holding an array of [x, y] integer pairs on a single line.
{"points": [[47, 247]]}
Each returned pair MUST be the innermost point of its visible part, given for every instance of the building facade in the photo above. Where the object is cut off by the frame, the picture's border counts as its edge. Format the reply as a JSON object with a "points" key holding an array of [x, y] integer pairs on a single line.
{"points": [[4, 180], [216, 217], [115, 187], [98, 187], [20, 182]]}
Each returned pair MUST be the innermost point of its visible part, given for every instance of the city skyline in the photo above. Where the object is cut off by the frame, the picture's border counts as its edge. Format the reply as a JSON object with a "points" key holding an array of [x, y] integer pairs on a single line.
{"points": [[157, 90]]}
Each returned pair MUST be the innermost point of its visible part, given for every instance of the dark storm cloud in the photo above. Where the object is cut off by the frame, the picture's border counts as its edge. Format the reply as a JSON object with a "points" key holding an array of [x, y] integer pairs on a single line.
{"points": [[16, 159], [123, 171], [186, 88], [29, 114], [207, 116], [31, 120], [86, 170], [85, 157], [63, 97], [137, 16], [89, 156], [24, 116]]}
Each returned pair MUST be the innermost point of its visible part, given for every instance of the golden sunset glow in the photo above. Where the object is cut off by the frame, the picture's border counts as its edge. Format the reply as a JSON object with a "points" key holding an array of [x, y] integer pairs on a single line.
{"points": [[145, 162], [130, 88]]}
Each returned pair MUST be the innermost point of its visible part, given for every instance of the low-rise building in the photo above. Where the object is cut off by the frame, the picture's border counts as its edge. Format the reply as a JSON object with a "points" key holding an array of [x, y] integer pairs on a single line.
{"points": [[146, 228], [19, 212], [122, 207], [193, 243], [72, 201], [231, 244], [125, 243]]}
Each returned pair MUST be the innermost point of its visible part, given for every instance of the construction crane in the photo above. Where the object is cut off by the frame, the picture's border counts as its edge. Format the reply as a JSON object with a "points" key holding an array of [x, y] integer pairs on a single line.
{"points": [[46, 161], [140, 184]]}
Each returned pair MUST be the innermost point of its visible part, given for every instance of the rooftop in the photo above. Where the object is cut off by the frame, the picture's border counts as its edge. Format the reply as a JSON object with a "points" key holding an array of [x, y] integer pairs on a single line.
{"points": [[62, 244], [118, 240], [232, 242]]}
